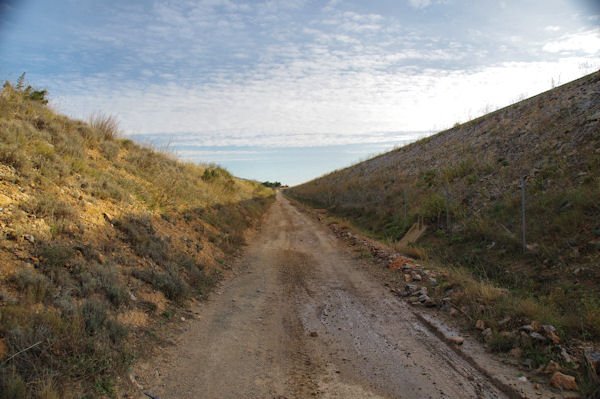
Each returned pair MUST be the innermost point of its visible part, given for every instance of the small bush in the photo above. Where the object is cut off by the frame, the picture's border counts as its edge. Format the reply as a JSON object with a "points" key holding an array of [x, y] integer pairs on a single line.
{"points": [[116, 331], [94, 315], [115, 292], [140, 233], [34, 284], [500, 343], [213, 173], [46, 205], [110, 149], [169, 283], [56, 255]]}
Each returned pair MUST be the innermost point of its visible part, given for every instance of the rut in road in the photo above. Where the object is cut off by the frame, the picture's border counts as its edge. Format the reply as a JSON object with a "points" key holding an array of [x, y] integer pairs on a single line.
{"points": [[253, 339]]}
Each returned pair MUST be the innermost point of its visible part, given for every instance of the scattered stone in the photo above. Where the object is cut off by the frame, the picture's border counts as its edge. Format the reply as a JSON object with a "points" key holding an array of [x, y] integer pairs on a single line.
{"points": [[504, 321], [480, 325], [417, 277], [182, 318], [314, 334], [400, 263], [487, 333], [538, 337], [515, 353], [526, 327], [432, 281], [407, 277], [456, 340], [552, 367], [523, 379], [411, 288], [422, 291], [550, 333], [133, 297], [427, 301], [593, 360], [560, 380], [565, 355], [29, 238], [535, 325]]}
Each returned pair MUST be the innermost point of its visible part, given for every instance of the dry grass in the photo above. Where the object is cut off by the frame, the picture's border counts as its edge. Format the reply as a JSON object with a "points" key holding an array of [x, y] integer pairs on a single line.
{"points": [[78, 269]]}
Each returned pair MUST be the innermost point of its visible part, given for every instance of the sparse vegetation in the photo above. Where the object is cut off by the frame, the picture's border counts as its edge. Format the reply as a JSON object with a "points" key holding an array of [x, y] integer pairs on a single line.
{"points": [[99, 236], [556, 280]]}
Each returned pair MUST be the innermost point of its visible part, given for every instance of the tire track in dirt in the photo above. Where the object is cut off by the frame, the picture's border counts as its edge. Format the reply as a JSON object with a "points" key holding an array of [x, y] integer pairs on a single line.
{"points": [[252, 339]]}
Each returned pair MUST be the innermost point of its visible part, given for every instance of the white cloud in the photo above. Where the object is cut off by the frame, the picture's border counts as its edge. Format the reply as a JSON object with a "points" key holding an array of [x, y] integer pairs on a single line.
{"points": [[426, 3], [419, 3], [587, 42], [552, 28]]}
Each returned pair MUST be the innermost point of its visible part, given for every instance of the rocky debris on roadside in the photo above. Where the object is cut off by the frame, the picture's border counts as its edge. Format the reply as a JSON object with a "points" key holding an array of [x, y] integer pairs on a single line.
{"points": [[550, 333], [519, 331], [592, 359]]}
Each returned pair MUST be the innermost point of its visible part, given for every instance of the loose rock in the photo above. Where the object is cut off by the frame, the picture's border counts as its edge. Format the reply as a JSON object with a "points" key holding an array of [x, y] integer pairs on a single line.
{"points": [[538, 337], [456, 340], [480, 325], [552, 367], [560, 380], [593, 360]]}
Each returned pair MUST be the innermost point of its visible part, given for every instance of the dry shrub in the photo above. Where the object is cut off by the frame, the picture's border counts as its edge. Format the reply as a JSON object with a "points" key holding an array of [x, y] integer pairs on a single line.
{"points": [[108, 125], [412, 251]]}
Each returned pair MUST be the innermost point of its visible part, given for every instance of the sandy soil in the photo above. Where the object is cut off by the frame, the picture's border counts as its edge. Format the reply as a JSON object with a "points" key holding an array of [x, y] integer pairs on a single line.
{"points": [[302, 320]]}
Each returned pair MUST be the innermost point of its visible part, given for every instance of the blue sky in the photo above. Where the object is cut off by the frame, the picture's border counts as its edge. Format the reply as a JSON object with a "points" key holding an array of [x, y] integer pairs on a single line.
{"points": [[288, 90]]}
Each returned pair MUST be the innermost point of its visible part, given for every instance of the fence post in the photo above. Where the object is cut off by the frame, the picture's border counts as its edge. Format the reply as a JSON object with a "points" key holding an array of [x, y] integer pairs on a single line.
{"points": [[404, 202], [447, 207], [523, 211]]}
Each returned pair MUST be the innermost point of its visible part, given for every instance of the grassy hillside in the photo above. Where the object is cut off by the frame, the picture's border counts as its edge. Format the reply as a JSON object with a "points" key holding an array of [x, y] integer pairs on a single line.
{"points": [[102, 240], [553, 140]]}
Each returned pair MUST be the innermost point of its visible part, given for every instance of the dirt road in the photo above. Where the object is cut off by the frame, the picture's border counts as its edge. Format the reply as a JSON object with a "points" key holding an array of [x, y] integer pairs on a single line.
{"points": [[304, 320]]}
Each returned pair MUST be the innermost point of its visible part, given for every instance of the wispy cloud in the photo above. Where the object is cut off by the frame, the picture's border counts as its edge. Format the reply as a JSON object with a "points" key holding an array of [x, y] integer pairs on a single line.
{"points": [[587, 42], [226, 72]]}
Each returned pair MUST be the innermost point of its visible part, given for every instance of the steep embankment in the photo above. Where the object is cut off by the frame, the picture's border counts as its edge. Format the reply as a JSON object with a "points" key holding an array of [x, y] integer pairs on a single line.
{"points": [[553, 140], [101, 242]]}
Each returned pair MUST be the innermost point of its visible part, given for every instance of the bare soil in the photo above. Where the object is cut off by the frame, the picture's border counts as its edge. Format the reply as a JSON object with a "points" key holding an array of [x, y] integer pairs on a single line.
{"points": [[303, 318]]}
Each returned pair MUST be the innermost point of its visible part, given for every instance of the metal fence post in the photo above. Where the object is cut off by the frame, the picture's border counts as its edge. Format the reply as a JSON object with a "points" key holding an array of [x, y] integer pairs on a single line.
{"points": [[523, 211], [404, 202], [447, 207]]}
